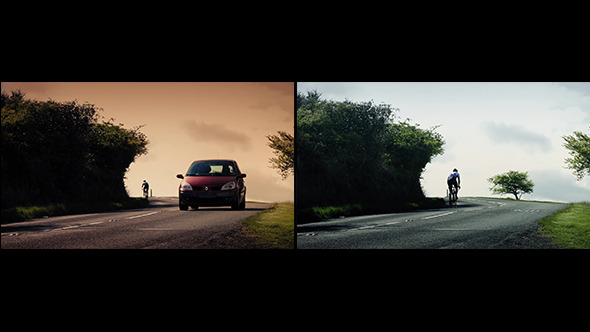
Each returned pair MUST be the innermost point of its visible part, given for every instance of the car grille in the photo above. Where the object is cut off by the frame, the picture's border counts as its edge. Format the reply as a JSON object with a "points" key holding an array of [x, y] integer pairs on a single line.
{"points": [[202, 188]]}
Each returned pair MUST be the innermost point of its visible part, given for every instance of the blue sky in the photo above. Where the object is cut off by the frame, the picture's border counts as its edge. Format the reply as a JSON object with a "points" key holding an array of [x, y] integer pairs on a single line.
{"points": [[489, 128]]}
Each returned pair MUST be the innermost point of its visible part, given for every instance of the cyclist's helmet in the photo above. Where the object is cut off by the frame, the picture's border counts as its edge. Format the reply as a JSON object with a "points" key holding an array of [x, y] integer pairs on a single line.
{"points": [[455, 170]]}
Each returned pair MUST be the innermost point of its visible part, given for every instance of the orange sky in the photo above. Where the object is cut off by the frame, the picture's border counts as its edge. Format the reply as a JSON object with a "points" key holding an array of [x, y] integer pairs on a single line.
{"points": [[186, 121]]}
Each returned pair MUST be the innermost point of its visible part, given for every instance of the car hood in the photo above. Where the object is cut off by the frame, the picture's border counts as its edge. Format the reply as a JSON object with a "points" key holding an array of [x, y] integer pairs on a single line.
{"points": [[208, 180]]}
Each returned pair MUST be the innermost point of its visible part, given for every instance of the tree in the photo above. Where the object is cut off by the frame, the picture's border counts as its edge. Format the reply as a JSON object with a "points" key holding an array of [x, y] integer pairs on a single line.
{"points": [[579, 146], [356, 153], [339, 147], [283, 145], [409, 148], [56, 152], [112, 149], [513, 182]]}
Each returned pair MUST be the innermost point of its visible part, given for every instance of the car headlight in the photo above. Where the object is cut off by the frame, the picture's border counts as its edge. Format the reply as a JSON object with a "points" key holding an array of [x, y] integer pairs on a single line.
{"points": [[229, 186], [184, 186]]}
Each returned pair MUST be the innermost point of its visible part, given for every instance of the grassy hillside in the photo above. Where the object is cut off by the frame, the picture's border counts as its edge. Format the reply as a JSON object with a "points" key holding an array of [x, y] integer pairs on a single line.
{"points": [[570, 227]]}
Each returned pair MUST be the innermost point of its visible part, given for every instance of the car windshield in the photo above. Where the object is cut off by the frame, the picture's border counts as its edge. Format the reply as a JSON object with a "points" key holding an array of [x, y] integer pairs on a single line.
{"points": [[211, 168]]}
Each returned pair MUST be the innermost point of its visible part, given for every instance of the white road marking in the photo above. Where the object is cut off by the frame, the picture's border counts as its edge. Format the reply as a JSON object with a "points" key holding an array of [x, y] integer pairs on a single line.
{"points": [[393, 223], [143, 215], [366, 227], [75, 226], [438, 215], [95, 223], [159, 229], [69, 227], [457, 229]]}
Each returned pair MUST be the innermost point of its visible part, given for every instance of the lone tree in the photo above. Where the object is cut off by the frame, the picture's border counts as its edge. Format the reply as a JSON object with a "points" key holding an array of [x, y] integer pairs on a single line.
{"points": [[513, 182], [579, 146]]}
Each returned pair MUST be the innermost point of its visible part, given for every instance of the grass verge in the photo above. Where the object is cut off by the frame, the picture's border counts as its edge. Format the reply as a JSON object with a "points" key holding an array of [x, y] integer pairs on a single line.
{"points": [[315, 214], [570, 227], [273, 228], [21, 213]]}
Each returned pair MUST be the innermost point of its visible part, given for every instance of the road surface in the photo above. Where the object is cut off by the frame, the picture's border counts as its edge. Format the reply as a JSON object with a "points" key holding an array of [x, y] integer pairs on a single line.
{"points": [[162, 225], [474, 223]]}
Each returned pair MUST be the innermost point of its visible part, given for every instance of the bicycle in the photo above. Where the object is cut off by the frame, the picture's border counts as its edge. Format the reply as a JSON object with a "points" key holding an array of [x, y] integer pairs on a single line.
{"points": [[145, 192], [452, 194]]}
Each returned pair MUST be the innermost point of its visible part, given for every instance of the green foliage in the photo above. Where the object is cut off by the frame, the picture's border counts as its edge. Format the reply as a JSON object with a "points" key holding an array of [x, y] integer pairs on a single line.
{"points": [[58, 152], [513, 182], [350, 153], [579, 146], [408, 148], [283, 145]]}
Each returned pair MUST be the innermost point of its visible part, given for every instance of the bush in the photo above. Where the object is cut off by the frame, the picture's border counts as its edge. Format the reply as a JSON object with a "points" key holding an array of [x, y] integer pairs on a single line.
{"points": [[59, 152], [355, 153]]}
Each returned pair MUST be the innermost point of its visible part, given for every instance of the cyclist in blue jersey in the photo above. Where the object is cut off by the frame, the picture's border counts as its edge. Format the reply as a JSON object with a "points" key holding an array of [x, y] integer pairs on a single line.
{"points": [[454, 180]]}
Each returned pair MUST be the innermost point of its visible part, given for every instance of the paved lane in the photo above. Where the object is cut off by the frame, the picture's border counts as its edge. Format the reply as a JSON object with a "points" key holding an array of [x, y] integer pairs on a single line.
{"points": [[162, 225], [474, 223]]}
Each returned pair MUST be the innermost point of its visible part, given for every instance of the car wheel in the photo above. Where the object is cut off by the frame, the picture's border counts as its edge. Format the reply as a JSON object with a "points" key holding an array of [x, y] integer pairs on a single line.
{"points": [[243, 204], [182, 206]]}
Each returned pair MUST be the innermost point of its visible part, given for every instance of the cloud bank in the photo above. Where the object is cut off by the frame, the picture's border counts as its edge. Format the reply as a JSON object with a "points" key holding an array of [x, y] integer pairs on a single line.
{"points": [[217, 134], [557, 186], [501, 133]]}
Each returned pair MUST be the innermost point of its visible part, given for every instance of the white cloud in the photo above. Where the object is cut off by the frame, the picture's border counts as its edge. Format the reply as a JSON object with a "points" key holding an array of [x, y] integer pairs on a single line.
{"points": [[518, 135], [557, 185]]}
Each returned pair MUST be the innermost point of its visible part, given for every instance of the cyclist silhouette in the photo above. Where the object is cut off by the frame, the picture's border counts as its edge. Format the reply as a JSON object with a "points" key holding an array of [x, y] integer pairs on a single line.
{"points": [[454, 180], [145, 187]]}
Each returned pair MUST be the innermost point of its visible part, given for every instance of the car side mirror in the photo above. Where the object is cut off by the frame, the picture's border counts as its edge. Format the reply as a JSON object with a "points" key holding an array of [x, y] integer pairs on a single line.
{"points": [[243, 175], [179, 176]]}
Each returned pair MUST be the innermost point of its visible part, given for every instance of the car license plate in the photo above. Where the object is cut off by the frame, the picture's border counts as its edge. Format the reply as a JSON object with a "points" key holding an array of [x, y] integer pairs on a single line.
{"points": [[207, 195]]}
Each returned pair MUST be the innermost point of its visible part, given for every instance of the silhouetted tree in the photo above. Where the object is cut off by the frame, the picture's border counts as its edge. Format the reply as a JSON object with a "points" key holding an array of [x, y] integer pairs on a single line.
{"points": [[58, 151], [283, 145]]}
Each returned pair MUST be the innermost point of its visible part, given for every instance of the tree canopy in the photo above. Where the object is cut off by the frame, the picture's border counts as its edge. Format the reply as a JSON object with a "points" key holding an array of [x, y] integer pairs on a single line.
{"points": [[283, 145], [350, 152], [54, 152], [512, 182], [579, 146]]}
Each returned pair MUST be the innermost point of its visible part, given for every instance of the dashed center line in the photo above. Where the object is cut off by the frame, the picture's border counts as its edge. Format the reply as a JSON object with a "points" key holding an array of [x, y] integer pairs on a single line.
{"points": [[99, 222], [143, 215], [69, 227], [438, 215], [365, 227], [95, 223]]}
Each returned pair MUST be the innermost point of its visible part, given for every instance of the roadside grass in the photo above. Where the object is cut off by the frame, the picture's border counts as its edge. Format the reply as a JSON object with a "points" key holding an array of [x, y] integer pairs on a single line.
{"points": [[523, 200], [273, 228], [315, 214], [21, 213], [570, 227]]}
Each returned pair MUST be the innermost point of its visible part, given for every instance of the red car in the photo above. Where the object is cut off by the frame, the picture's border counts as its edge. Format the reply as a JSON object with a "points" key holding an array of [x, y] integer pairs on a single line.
{"points": [[216, 182]]}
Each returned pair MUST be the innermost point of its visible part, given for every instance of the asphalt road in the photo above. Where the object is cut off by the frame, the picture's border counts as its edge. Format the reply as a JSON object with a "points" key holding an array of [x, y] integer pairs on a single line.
{"points": [[474, 223], [162, 225]]}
